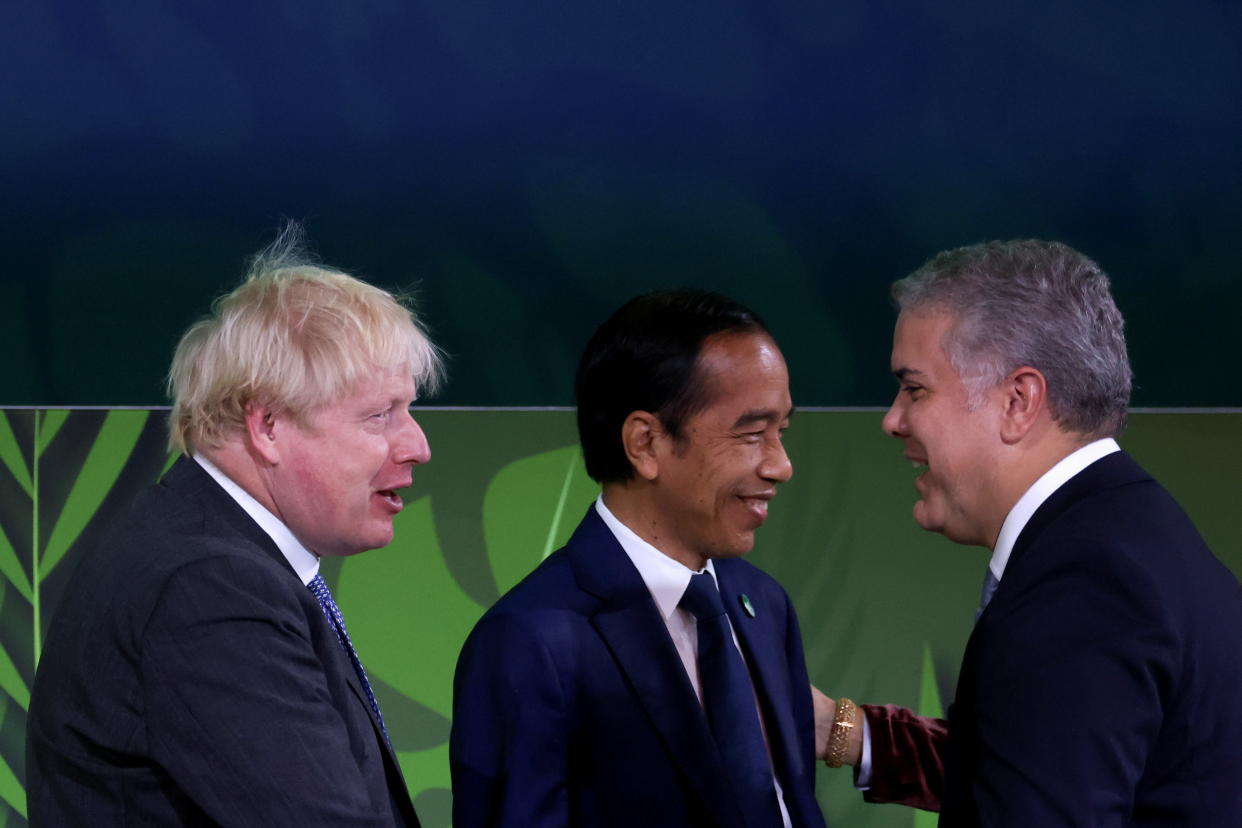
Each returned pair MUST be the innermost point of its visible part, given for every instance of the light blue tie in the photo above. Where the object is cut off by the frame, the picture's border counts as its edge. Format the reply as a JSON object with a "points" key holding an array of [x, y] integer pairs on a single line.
{"points": [[990, 583], [332, 612]]}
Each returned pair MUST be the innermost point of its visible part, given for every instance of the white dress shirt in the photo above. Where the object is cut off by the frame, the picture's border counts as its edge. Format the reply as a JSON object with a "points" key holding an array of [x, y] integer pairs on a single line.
{"points": [[303, 561], [667, 580], [1015, 522]]}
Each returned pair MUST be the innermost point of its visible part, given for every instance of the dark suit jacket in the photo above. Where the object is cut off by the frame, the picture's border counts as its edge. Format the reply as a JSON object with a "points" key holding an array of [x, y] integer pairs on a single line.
{"points": [[572, 707], [1102, 686], [190, 678]]}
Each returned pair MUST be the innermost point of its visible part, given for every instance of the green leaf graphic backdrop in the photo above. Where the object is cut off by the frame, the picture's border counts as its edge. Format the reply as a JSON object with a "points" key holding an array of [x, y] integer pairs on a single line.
{"points": [[885, 608]]}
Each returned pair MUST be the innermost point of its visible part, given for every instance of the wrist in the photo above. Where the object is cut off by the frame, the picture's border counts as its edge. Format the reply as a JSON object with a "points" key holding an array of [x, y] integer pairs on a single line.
{"points": [[845, 739]]}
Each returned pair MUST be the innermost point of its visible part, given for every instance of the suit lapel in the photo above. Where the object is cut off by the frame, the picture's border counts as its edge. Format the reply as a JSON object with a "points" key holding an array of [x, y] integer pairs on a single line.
{"points": [[1116, 469], [355, 684], [399, 792], [759, 636], [189, 479], [634, 632], [346, 666]]}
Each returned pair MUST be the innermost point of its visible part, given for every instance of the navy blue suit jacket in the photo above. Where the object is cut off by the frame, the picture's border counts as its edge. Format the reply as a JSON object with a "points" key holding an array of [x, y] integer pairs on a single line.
{"points": [[190, 678], [1101, 687], [572, 707]]}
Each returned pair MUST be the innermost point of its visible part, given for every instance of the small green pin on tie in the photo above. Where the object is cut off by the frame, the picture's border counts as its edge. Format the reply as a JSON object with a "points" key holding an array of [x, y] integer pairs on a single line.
{"points": [[746, 605]]}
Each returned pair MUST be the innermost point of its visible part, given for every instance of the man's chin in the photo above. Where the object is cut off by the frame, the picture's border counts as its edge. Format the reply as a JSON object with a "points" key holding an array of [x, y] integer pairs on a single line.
{"points": [[379, 543], [376, 540], [924, 517], [737, 547]]}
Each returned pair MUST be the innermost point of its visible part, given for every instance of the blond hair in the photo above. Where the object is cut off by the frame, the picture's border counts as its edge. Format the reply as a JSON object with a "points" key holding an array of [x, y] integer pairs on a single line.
{"points": [[293, 336]]}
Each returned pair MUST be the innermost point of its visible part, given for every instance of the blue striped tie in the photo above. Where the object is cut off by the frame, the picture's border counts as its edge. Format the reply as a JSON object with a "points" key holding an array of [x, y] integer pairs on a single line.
{"points": [[990, 583], [332, 612]]}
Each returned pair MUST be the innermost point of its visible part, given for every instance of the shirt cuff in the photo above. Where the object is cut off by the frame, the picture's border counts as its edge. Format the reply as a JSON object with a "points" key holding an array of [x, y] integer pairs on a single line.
{"points": [[862, 780]]}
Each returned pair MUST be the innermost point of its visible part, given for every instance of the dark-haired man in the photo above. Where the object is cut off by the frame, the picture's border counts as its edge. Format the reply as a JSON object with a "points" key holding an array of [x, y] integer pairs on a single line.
{"points": [[644, 674], [1100, 684]]}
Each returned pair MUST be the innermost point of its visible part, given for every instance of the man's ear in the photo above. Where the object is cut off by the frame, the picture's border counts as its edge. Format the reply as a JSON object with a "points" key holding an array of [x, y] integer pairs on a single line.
{"points": [[261, 428], [1025, 396], [639, 434]]}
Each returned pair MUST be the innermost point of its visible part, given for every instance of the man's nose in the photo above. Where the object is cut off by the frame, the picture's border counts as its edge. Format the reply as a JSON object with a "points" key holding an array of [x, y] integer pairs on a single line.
{"points": [[777, 466], [894, 422], [411, 444]]}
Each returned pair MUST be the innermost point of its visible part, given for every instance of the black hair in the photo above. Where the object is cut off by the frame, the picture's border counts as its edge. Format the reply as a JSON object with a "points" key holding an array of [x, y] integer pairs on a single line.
{"points": [[645, 358]]}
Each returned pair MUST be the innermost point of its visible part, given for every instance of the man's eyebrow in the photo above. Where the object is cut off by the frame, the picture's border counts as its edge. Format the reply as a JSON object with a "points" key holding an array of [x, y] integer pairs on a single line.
{"points": [[761, 415], [903, 372]]}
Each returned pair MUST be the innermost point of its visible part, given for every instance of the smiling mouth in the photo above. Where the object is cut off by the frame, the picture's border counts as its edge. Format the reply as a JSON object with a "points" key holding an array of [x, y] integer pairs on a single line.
{"points": [[921, 470], [757, 505]]}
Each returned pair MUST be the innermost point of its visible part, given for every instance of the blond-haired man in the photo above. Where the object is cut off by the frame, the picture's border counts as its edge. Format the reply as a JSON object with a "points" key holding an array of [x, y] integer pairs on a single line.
{"points": [[197, 670]]}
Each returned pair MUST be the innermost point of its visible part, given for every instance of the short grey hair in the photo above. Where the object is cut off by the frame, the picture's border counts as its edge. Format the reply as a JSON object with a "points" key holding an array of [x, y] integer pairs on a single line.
{"points": [[293, 336], [1035, 303]]}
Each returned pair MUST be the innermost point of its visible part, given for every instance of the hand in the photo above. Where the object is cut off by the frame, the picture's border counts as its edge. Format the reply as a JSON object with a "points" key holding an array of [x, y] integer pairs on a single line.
{"points": [[825, 711], [825, 708]]}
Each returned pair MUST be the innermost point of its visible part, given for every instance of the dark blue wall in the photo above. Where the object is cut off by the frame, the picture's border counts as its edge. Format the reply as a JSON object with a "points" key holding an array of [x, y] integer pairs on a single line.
{"points": [[533, 164]]}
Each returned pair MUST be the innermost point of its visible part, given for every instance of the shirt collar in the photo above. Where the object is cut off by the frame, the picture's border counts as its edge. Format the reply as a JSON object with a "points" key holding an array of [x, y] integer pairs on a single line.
{"points": [[1041, 490], [304, 562], [666, 579]]}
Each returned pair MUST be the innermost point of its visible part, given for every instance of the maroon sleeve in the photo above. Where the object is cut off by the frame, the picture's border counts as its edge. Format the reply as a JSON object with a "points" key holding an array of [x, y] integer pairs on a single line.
{"points": [[907, 757]]}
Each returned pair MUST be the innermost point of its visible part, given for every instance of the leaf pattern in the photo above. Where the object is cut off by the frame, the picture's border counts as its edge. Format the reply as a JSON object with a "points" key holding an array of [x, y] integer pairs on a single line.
{"points": [[62, 473], [108, 454], [929, 705], [880, 602], [531, 508]]}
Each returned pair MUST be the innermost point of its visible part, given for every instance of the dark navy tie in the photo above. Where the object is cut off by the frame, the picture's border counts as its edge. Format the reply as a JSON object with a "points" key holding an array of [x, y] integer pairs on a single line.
{"points": [[730, 704], [332, 612]]}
